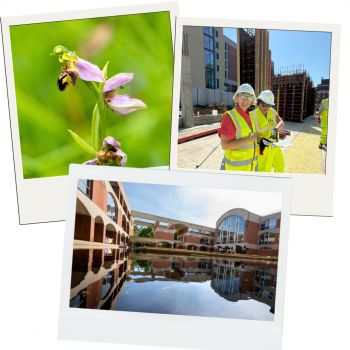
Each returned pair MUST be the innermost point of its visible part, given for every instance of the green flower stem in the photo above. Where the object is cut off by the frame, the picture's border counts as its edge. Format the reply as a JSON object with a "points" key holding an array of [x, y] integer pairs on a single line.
{"points": [[93, 88]]}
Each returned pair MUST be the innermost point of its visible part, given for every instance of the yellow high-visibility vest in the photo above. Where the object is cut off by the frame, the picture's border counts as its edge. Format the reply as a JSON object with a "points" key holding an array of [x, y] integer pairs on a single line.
{"points": [[324, 112], [265, 125], [245, 157]]}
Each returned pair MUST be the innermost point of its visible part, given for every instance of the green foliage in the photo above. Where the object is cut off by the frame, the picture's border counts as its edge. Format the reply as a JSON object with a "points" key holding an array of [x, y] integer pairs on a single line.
{"points": [[144, 232], [139, 44], [141, 265]]}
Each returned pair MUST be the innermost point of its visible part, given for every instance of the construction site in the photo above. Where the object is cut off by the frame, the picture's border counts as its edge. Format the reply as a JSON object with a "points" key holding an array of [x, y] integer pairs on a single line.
{"points": [[198, 141]]}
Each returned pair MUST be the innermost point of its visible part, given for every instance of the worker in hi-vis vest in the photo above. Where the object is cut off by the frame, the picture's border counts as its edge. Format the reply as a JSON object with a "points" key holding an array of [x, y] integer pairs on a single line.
{"points": [[324, 123], [238, 133], [268, 124]]}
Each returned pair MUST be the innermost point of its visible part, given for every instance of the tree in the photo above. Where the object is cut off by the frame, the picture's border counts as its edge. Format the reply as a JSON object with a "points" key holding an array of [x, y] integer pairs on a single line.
{"points": [[144, 231]]}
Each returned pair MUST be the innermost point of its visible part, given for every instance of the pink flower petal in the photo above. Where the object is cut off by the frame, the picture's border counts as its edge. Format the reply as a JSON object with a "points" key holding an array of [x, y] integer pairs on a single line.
{"points": [[123, 156], [91, 162], [111, 141], [117, 81], [89, 71], [123, 104]]}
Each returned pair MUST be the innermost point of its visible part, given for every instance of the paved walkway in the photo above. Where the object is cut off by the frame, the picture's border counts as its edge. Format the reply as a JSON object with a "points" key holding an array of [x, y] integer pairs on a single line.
{"points": [[302, 156]]}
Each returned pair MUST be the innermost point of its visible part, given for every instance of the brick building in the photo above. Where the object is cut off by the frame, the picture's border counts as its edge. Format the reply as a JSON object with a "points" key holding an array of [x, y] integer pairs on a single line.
{"points": [[102, 214]]}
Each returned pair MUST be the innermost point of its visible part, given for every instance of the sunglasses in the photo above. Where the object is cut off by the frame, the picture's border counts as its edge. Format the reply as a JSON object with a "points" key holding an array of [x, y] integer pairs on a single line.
{"points": [[246, 97]]}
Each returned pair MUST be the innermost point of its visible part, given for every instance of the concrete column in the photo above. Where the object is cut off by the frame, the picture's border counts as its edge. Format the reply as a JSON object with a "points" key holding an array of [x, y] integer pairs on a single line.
{"points": [[186, 92]]}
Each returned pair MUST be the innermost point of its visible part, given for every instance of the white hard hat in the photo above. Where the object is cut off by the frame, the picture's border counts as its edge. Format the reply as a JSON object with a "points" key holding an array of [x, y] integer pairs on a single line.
{"points": [[245, 88], [267, 97]]}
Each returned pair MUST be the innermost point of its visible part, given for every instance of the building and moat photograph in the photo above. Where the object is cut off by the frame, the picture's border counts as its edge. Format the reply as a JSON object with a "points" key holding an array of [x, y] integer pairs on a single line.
{"points": [[142, 247]]}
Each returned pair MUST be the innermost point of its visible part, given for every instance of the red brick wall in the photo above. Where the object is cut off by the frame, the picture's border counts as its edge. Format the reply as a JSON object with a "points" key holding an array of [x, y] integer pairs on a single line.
{"points": [[161, 264], [192, 239], [246, 281], [82, 227], [251, 233], [99, 194], [164, 235]]}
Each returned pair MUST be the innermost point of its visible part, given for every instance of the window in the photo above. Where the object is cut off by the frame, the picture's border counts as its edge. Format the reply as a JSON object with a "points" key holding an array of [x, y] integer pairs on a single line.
{"points": [[217, 55], [208, 43], [231, 229], [217, 83], [217, 67], [216, 33], [216, 44], [85, 186], [208, 31], [112, 208]]}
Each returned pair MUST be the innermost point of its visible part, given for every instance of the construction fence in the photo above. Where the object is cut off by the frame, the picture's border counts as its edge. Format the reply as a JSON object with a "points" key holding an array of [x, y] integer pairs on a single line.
{"points": [[210, 97]]}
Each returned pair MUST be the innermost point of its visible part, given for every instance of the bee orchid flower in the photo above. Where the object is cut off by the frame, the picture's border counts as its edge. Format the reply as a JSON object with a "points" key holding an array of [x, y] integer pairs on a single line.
{"points": [[75, 67], [121, 104], [110, 154]]}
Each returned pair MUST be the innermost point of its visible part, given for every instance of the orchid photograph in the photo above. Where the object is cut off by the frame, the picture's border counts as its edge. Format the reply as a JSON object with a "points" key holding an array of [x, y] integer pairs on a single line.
{"points": [[93, 91]]}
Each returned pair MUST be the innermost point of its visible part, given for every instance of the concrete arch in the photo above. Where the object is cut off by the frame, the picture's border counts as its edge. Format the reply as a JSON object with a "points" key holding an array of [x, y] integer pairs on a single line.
{"points": [[111, 234], [203, 248], [83, 218], [191, 247], [99, 229]]}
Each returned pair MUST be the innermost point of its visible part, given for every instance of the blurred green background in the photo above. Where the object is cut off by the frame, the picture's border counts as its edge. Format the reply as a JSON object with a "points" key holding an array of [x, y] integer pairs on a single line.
{"points": [[139, 44]]}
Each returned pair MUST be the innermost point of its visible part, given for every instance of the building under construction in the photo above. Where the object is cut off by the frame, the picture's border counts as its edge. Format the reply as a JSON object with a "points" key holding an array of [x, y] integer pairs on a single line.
{"points": [[295, 95], [254, 59]]}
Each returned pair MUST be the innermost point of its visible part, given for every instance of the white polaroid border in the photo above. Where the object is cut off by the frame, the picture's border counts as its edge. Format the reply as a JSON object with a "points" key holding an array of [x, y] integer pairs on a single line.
{"points": [[192, 331], [312, 193], [34, 196]]}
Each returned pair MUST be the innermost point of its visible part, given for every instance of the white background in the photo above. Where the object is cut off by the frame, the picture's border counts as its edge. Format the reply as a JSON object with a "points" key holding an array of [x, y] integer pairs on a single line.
{"points": [[317, 292]]}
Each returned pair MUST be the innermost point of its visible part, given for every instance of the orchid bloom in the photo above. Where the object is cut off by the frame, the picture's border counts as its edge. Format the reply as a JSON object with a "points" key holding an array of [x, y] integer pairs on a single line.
{"points": [[75, 67], [111, 154], [122, 104]]}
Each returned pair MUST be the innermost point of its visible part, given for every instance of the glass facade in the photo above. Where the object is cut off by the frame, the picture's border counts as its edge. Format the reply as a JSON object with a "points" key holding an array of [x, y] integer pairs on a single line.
{"points": [[231, 230], [112, 208], [85, 186], [209, 57]]}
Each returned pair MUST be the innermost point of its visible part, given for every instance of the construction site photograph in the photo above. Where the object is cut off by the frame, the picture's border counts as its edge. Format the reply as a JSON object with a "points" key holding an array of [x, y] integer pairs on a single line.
{"points": [[284, 75]]}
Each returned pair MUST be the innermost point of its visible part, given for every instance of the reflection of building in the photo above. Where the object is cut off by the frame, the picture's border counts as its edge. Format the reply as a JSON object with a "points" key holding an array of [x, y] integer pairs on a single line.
{"points": [[241, 231], [211, 58], [238, 281], [98, 276], [102, 214]]}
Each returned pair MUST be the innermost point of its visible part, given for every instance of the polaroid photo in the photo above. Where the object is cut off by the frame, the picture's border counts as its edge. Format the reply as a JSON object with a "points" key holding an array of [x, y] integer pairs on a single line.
{"points": [[184, 253], [84, 88], [253, 98]]}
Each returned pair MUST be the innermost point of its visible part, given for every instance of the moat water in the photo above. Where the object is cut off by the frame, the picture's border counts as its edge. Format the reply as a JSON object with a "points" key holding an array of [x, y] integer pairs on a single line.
{"points": [[113, 279]]}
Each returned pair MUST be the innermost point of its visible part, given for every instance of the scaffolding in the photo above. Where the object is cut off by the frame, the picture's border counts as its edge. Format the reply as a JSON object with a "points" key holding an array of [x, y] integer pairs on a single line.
{"points": [[254, 58], [294, 92]]}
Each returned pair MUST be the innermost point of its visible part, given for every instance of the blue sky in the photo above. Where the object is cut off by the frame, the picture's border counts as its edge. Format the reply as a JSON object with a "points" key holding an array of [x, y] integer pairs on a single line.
{"points": [[297, 48], [197, 205]]}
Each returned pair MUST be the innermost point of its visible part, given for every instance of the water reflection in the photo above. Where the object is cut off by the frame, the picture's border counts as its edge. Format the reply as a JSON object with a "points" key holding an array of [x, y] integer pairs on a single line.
{"points": [[112, 279]]}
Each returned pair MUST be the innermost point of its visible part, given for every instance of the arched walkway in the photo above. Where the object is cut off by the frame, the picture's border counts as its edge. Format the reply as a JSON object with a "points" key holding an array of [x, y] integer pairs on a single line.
{"points": [[82, 227], [111, 234], [98, 230]]}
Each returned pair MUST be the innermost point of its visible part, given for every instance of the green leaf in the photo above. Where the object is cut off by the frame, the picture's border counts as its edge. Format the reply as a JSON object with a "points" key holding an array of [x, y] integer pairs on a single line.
{"points": [[83, 144], [96, 138], [105, 69]]}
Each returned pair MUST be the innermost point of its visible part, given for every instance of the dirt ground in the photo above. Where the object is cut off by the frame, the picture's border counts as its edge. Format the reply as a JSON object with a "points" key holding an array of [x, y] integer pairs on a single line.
{"points": [[301, 155]]}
